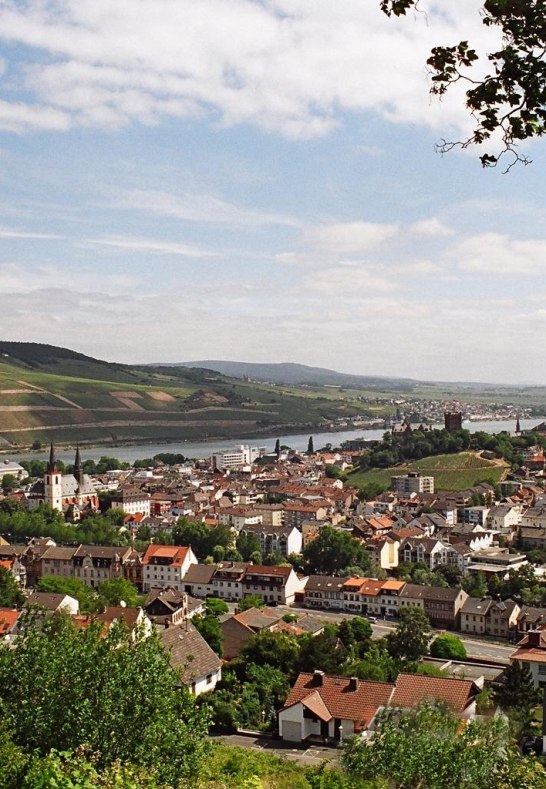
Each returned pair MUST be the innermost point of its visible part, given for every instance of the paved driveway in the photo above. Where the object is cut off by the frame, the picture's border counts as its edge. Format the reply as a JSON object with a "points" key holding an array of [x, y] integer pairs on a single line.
{"points": [[308, 757]]}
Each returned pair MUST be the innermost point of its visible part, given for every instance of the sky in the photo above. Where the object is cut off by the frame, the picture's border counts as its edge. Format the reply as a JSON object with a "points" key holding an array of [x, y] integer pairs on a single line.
{"points": [[257, 180]]}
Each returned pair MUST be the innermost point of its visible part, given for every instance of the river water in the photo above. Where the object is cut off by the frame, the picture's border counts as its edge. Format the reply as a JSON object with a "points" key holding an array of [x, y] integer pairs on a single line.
{"points": [[193, 449]]}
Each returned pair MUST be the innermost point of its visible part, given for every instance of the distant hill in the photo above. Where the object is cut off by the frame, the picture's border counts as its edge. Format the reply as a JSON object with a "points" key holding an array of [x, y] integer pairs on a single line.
{"points": [[298, 374], [48, 393]]}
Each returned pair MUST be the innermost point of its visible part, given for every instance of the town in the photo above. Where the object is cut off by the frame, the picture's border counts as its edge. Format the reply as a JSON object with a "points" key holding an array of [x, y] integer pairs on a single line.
{"points": [[246, 561]]}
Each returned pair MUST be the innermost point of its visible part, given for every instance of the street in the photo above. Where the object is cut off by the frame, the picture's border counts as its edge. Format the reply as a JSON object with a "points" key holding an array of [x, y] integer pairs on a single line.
{"points": [[476, 648]]}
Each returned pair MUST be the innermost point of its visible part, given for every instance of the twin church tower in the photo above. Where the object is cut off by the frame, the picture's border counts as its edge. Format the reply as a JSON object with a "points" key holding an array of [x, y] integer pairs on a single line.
{"points": [[65, 492]]}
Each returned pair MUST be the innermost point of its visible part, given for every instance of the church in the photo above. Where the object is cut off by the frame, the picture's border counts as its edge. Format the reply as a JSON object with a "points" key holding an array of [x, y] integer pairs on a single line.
{"points": [[72, 494]]}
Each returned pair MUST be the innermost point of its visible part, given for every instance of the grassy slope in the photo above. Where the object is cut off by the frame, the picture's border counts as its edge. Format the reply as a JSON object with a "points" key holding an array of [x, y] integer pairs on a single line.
{"points": [[201, 404], [450, 472]]}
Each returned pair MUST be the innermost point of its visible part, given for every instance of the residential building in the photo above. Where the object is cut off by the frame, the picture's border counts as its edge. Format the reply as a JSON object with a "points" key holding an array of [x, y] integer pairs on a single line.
{"points": [[441, 605], [166, 565], [95, 563], [238, 518], [531, 651], [297, 511], [238, 629], [53, 602], [228, 581], [233, 458], [324, 591], [490, 617], [281, 539], [475, 515], [199, 666], [168, 606], [57, 561], [389, 598], [13, 469], [274, 584], [530, 618], [424, 550], [412, 483], [325, 707], [132, 501], [330, 707]]}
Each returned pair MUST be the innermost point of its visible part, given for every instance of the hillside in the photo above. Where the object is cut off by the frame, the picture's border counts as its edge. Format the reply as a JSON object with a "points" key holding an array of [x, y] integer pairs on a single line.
{"points": [[49, 393], [290, 373], [451, 472]]}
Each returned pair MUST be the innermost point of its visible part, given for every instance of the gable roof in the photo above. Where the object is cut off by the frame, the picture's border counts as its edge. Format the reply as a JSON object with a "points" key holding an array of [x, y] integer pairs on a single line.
{"points": [[412, 689], [340, 697], [8, 620], [176, 553], [189, 652]]}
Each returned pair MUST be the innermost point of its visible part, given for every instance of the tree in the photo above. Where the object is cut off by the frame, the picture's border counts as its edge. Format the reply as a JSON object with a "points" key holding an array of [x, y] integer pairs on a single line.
{"points": [[9, 483], [448, 646], [215, 606], [251, 601], [334, 550], [85, 595], [11, 595], [510, 102], [517, 695], [310, 448], [412, 635], [278, 650], [109, 693], [427, 748], [116, 590], [325, 652], [209, 627]]}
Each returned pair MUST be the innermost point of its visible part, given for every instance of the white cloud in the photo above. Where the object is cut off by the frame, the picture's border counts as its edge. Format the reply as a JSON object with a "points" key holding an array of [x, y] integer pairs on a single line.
{"points": [[197, 208], [158, 246], [348, 238], [291, 67], [496, 253], [431, 227], [8, 232]]}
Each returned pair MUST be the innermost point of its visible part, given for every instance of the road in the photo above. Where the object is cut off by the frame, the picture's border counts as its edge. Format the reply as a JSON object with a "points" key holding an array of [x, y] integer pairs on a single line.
{"points": [[476, 648]]}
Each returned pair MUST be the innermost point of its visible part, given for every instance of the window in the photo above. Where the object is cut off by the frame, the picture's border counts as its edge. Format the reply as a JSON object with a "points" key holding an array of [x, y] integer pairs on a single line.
{"points": [[209, 679]]}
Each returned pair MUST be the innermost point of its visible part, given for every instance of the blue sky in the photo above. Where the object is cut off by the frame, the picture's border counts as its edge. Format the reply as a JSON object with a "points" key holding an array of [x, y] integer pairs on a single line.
{"points": [[186, 179]]}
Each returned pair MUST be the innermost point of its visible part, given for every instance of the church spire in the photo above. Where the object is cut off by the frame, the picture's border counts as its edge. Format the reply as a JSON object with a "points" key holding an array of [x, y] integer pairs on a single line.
{"points": [[52, 465], [78, 469], [518, 427]]}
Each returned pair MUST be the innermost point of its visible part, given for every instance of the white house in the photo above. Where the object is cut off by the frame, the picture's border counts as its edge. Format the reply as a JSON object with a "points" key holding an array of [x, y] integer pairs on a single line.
{"points": [[166, 565]]}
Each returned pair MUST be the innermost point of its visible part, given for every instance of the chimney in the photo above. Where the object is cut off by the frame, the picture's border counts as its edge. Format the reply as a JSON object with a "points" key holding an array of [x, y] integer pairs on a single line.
{"points": [[318, 677], [353, 683]]}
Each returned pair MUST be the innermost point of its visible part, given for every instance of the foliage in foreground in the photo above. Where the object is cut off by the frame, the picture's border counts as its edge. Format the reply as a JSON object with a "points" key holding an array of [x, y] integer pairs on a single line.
{"points": [[429, 748], [117, 697]]}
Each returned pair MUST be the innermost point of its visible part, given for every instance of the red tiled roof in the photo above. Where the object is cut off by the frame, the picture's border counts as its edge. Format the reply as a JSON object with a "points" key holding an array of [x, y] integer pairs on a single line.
{"points": [[177, 553], [359, 704], [412, 689], [8, 618]]}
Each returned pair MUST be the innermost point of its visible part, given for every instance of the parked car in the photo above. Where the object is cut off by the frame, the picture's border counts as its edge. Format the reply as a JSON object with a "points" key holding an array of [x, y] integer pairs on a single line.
{"points": [[372, 619]]}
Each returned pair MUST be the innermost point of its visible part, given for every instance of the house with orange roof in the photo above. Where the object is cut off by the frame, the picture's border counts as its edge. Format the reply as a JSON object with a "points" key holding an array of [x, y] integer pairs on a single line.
{"points": [[326, 707], [389, 597], [331, 708], [15, 566], [9, 619], [166, 565], [370, 596], [532, 651]]}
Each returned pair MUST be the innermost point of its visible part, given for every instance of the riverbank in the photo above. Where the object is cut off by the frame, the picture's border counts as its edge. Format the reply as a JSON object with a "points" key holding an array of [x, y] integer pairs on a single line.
{"points": [[202, 449]]}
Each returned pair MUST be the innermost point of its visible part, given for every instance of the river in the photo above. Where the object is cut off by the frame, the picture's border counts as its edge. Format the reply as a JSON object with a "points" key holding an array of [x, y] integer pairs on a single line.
{"points": [[297, 441]]}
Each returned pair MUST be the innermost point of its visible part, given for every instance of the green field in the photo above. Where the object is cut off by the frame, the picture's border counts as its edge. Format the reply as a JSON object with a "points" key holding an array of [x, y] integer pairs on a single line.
{"points": [[450, 472]]}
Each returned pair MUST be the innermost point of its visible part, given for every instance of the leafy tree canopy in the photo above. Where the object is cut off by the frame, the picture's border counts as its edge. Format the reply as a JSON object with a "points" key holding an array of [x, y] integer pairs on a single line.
{"points": [[412, 635], [448, 646], [114, 695], [332, 551], [11, 595], [426, 749], [510, 101]]}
